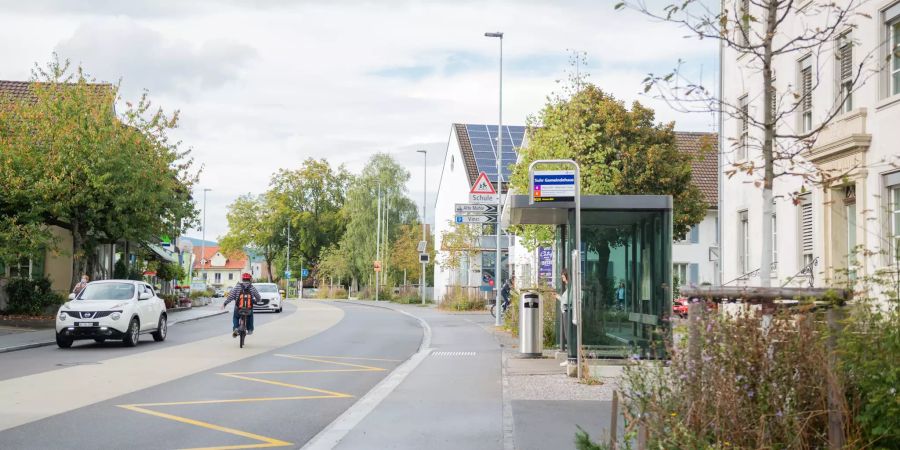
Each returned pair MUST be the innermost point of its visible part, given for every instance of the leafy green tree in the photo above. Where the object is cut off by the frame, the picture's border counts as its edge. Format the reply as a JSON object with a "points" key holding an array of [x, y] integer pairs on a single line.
{"points": [[68, 159], [405, 253], [384, 174], [619, 150], [311, 198], [254, 223]]}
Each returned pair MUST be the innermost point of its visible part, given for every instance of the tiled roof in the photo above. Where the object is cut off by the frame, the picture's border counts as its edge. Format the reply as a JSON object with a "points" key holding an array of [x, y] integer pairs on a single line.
{"points": [[235, 261], [22, 90], [704, 168]]}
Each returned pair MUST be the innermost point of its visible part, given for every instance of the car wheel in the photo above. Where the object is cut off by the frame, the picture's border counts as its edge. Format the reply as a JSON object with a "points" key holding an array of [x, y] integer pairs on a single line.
{"points": [[100, 340], [279, 310], [63, 341], [132, 334], [160, 334]]}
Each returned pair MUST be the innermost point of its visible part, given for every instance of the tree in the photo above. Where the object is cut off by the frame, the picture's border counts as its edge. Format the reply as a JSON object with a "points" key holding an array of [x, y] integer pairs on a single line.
{"points": [[405, 252], [760, 34], [383, 175], [69, 160], [311, 198], [332, 263], [253, 222], [459, 243]]}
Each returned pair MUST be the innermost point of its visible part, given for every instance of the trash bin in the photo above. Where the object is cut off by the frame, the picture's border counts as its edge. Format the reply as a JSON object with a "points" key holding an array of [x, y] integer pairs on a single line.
{"points": [[531, 333]]}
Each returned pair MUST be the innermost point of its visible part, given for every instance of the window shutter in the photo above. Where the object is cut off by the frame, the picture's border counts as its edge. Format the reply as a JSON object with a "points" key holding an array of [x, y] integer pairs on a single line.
{"points": [[806, 81], [695, 234], [846, 55], [695, 273], [806, 227], [37, 265]]}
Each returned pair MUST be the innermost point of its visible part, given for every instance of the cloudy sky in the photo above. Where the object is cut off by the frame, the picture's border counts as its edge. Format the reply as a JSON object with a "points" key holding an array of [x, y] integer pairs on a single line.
{"points": [[263, 85]]}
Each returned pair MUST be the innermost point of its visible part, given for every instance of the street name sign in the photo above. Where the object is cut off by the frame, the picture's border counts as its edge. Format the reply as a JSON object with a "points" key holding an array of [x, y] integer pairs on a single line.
{"points": [[481, 218], [553, 186], [469, 208]]}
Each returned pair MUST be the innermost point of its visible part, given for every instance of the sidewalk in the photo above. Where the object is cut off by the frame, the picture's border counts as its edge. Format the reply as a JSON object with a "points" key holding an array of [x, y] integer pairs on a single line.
{"points": [[21, 339], [473, 391]]}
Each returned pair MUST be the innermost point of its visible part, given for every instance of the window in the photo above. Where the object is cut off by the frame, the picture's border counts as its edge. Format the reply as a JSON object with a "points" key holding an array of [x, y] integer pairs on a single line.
{"points": [[892, 38], [806, 85], [895, 223], [203, 275], [844, 71], [230, 276], [774, 242], [26, 267], [218, 278], [691, 237], [743, 128], [743, 242], [744, 19], [806, 230], [680, 272]]}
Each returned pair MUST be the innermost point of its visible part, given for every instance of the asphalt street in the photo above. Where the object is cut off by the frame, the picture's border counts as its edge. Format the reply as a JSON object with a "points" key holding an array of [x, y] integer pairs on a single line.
{"points": [[280, 397]]}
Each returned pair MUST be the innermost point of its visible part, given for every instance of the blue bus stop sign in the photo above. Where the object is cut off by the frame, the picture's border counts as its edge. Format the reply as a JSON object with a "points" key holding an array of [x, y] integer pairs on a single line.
{"points": [[304, 273]]}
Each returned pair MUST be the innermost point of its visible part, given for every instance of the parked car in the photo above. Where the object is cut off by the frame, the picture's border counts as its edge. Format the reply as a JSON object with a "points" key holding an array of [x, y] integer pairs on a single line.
{"points": [[271, 298], [680, 307], [112, 309], [218, 293]]}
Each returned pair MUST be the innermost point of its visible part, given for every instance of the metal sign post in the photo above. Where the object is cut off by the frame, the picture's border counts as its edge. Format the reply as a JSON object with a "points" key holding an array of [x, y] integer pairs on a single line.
{"points": [[560, 187]]}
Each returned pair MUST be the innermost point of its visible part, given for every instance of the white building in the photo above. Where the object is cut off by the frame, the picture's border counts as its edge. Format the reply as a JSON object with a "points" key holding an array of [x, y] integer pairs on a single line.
{"points": [[693, 259], [826, 225], [470, 150]]}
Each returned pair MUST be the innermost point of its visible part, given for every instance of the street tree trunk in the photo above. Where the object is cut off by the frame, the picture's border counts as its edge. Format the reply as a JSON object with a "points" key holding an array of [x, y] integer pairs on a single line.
{"points": [[765, 265], [77, 254]]}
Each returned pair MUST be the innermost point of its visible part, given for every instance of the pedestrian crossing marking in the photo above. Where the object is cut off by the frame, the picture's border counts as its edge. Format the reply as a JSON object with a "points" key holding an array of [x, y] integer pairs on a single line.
{"points": [[262, 441]]}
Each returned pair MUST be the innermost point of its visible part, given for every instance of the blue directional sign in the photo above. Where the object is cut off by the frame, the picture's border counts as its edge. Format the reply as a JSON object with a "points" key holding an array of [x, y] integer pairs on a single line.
{"points": [[304, 273], [287, 274]]}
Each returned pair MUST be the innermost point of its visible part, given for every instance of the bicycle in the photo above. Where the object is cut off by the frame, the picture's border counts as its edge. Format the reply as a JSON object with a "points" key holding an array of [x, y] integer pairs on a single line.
{"points": [[503, 307], [242, 323]]}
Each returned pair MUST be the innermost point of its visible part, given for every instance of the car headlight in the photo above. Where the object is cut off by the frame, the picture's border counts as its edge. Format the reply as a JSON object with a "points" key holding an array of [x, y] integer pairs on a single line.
{"points": [[63, 316], [115, 316]]}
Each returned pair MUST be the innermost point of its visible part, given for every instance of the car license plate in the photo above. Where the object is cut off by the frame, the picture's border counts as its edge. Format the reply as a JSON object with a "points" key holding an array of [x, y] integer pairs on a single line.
{"points": [[85, 324]]}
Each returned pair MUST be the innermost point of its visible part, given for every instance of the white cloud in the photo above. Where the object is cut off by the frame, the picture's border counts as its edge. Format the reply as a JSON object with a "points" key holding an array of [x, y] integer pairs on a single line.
{"points": [[261, 87]]}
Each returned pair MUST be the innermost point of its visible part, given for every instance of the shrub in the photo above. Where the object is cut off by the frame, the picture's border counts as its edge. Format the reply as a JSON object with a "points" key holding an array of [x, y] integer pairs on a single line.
{"points": [[170, 299], [329, 293], [462, 299], [31, 297], [548, 304]]}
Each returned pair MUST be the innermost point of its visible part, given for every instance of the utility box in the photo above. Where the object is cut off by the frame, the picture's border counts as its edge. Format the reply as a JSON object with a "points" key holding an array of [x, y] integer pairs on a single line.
{"points": [[531, 326]]}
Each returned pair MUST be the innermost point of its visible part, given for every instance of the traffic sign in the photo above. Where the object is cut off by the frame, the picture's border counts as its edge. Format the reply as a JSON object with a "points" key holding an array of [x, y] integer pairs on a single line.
{"points": [[424, 258], [469, 208], [482, 218], [484, 198], [304, 273], [287, 274], [553, 186], [482, 185], [377, 265]]}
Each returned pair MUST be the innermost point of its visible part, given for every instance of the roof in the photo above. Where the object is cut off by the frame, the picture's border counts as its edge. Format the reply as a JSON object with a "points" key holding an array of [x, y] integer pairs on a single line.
{"points": [[704, 147], [22, 90], [477, 143], [234, 261]]}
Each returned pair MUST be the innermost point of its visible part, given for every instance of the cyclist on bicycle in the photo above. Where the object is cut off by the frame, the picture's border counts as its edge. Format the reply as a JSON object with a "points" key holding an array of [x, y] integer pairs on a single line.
{"points": [[504, 291], [244, 295]]}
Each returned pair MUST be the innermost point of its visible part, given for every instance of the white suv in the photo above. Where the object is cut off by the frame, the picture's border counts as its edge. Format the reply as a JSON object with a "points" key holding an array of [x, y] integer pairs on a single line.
{"points": [[270, 297], [112, 309]]}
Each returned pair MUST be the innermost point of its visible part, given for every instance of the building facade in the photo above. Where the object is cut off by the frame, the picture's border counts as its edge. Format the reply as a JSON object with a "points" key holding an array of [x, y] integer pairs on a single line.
{"points": [[217, 269], [823, 234]]}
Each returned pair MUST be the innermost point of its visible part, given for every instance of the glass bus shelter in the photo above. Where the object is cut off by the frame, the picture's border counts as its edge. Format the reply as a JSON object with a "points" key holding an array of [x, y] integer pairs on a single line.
{"points": [[626, 267]]}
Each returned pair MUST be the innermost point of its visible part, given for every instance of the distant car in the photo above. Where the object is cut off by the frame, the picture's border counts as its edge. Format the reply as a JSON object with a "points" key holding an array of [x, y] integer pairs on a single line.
{"points": [[680, 307], [219, 293], [271, 298], [112, 309]]}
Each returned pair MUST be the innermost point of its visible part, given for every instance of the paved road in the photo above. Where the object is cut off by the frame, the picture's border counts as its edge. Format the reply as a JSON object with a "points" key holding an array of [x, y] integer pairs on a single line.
{"points": [[213, 395]]}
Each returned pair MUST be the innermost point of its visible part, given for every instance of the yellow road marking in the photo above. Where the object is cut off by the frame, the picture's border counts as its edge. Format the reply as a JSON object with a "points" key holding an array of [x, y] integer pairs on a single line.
{"points": [[266, 441], [307, 358], [293, 386]]}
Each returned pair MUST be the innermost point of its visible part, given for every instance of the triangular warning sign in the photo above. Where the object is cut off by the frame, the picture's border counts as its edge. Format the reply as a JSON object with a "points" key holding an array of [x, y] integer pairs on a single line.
{"points": [[482, 185]]}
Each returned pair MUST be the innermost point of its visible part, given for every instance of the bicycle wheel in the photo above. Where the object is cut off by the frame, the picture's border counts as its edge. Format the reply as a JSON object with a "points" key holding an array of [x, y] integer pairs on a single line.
{"points": [[493, 312], [242, 329]]}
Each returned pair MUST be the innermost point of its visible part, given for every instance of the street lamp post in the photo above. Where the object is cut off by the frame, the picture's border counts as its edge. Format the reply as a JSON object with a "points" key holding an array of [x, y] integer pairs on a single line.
{"points": [[424, 210], [498, 275], [203, 244]]}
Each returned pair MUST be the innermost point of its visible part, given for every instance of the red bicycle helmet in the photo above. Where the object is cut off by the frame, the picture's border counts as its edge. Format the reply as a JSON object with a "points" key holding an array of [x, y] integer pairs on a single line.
{"points": [[246, 276]]}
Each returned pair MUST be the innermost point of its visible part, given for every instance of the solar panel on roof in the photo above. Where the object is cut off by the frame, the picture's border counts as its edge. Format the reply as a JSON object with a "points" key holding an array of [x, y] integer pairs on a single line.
{"points": [[483, 139]]}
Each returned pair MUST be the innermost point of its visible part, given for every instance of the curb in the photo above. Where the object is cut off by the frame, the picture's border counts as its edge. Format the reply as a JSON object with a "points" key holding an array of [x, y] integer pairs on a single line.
{"points": [[31, 345], [331, 435]]}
